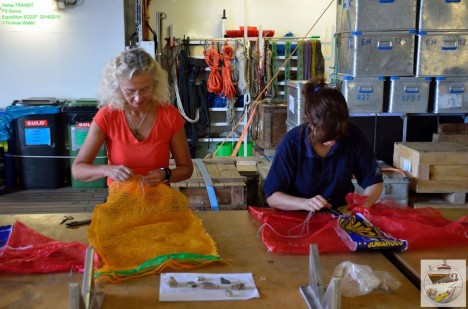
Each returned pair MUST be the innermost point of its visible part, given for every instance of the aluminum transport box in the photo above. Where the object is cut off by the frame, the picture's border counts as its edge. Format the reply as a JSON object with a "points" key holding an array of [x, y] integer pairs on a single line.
{"points": [[362, 94], [372, 54], [396, 185], [408, 94], [450, 95], [295, 114], [375, 15], [442, 54], [443, 15]]}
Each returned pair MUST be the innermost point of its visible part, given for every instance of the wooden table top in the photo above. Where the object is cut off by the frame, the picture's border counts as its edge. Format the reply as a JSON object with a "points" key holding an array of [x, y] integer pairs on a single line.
{"points": [[277, 276], [411, 259]]}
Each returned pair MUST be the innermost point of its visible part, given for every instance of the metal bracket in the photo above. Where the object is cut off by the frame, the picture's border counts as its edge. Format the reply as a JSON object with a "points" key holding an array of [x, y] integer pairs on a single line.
{"points": [[314, 294], [87, 298]]}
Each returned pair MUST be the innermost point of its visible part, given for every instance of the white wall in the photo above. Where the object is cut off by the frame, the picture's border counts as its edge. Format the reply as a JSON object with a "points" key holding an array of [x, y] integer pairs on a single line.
{"points": [[60, 58], [202, 18], [64, 59]]}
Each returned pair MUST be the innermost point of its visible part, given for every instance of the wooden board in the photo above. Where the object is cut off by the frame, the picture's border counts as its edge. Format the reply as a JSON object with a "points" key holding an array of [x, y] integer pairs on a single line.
{"points": [[452, 128], [228, 184], [457, 138], [434, 167], [277, 276]]}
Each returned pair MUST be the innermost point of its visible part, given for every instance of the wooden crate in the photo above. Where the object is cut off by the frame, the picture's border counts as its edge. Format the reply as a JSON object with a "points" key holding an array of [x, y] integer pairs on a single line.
{"points": [[269, 125], [263, 168], [434, 167], [228, 184], [451, 132]]}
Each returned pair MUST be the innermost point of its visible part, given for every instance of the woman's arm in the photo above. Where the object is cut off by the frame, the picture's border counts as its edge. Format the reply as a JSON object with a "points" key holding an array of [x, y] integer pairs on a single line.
{"points": [[181, 154], [373, 193], [83, 167], [284, 201]]}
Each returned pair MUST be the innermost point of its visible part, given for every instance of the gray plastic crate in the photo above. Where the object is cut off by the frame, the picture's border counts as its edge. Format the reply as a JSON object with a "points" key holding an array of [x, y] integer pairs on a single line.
{"points": [[372, 54]]}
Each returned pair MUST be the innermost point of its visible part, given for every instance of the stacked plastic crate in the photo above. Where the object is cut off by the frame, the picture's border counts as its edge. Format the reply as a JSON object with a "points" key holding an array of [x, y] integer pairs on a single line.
{"points": [[375, 40], [442, 53]]}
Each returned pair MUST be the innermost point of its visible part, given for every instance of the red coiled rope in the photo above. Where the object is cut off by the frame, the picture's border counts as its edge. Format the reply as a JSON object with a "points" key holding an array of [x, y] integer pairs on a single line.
{"points": [[229, 91], [215, 81]]}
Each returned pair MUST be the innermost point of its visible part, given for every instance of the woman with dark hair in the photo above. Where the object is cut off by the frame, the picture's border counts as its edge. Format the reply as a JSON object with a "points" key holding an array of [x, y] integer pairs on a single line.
{"points": [[315, 162], [140, 128]]}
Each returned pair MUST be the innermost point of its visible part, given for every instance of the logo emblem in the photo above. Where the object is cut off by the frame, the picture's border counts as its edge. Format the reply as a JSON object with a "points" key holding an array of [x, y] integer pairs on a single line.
{"points": [[443, 283]]}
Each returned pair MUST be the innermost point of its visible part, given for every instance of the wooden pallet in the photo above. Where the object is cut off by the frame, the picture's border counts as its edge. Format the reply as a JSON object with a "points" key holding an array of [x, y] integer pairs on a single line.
{"points": [[451, 132], [64, 200], [229, 186], [440, 200]]}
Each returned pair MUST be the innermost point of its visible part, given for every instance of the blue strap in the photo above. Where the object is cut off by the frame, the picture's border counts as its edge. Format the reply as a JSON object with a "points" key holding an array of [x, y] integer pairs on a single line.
{"points": [[209, 184]]}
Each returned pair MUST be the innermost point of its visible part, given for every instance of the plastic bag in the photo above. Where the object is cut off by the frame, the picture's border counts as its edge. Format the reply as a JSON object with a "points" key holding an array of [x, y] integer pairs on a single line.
{"points": [[357, 280]]}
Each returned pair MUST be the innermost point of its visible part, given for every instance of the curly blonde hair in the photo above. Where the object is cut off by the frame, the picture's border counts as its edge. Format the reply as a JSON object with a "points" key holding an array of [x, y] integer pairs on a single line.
{"points": [[125, 65]]}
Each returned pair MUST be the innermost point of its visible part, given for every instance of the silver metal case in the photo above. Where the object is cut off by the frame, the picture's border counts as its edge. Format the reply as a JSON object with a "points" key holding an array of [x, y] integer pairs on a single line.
{"points": [[408, 94], [295, 114], [443, 15], [450, 95], [362, 94], [442, 54], [372, 15], [371, 54]]}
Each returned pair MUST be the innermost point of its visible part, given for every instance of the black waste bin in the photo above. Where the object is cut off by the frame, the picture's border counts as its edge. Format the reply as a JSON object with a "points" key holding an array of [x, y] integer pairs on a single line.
{"points": [[40, 143]]}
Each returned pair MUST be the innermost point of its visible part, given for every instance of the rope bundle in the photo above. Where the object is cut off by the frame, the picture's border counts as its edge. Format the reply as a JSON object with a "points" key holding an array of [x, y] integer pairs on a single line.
{"points": [[215, 81], [228, 87]]}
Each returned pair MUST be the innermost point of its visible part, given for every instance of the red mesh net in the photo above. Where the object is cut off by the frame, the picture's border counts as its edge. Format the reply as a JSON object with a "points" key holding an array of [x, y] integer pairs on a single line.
{"points": [[293, 231], [421, 227], [28, 251]]}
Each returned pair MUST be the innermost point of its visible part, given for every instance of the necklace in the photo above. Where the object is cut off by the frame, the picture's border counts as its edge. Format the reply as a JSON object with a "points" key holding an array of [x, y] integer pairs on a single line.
{"points": [[137, 134]]}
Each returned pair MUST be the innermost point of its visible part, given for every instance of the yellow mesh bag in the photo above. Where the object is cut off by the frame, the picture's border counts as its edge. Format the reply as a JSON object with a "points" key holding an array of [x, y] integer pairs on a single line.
{"points": [[142, 230]]}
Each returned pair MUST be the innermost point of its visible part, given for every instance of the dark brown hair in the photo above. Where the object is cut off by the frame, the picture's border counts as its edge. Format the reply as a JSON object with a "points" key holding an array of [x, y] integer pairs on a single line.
{"points": [[326, 111]]}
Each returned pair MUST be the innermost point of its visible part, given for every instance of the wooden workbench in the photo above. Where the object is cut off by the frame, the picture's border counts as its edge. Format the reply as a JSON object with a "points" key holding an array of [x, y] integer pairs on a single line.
{"points": [[410, 261], [277, 276]]}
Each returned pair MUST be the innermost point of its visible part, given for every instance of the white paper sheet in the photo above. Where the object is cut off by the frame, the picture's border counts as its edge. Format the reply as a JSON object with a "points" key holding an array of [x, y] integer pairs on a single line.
{"points": [[222, 291]]}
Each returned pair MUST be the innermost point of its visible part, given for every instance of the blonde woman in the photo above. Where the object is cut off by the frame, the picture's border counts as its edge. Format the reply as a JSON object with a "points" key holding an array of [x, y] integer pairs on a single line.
{"points": [[139, 127]]}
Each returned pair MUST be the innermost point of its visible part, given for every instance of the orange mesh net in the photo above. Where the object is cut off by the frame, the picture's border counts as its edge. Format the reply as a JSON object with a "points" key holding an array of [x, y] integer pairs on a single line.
{"points": [[142, 230]]}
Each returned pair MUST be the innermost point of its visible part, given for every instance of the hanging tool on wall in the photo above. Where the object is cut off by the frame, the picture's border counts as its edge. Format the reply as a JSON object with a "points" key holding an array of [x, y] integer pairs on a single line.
{"points": [[223, 19]]}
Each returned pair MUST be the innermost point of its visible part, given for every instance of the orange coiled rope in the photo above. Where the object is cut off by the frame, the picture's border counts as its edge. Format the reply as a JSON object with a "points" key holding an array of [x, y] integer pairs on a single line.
{"points": [[229, 91], [215, 82]]}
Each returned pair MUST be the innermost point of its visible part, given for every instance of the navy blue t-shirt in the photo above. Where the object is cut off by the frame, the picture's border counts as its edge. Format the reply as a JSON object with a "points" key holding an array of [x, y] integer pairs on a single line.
{"points": [[298, 171]]}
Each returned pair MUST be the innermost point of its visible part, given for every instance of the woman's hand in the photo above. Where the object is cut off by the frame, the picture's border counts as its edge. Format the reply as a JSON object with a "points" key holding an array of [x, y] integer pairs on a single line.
{"points": [[154, 177], [315, 203], [119, 173]]}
